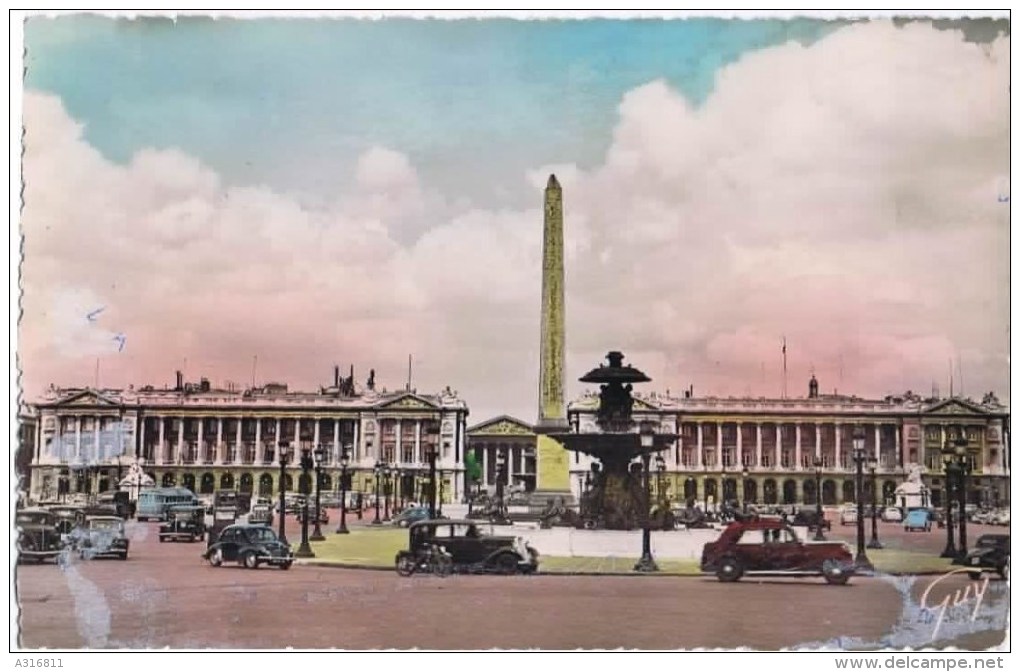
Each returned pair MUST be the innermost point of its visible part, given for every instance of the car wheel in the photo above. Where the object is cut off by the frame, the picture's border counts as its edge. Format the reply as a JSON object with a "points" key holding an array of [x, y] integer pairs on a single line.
{"points": [[402, 523], [729, 570], [162, 539], [974, 576], [1004, 569], [216, 558], [123, 556], [506, 564], [285, 565], [405, 565], [835, 573], [250, 560]]}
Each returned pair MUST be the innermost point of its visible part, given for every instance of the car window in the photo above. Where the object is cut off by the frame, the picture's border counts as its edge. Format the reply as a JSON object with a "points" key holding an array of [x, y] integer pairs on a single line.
{"points": [[443, 531], [105, 524], [32, 519], [228, 535], [462, 530], [753, 537], [786, 536], [261, 534]]}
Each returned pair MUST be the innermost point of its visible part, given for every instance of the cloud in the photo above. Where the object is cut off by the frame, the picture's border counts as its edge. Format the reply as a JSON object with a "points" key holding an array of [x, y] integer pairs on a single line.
{"points": [[843, 195]]}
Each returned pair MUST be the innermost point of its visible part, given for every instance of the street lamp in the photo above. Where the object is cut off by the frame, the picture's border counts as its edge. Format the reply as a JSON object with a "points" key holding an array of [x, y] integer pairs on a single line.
{"points": [[432, 452], [874, 543], [439, 501], [962, 472], [378, 471], [660, 484], [387, 480], [304, 550], [745, 475], [950, 466], [819, 516], [500, 470], [344, 461], [284, 456], [647, 562], [320, 454], [861, 561]]}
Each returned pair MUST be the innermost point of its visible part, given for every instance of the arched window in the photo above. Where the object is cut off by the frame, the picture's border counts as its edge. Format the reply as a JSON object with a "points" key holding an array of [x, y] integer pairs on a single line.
{"points": [[265, 485], [246, 483], [227, 482], [208, 484], [169, 480]]}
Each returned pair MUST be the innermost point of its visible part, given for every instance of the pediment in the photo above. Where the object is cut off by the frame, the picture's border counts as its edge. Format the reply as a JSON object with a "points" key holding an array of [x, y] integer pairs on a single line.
{"points": [[954, 407], [503, 425], [86, 398], [409, 401]]}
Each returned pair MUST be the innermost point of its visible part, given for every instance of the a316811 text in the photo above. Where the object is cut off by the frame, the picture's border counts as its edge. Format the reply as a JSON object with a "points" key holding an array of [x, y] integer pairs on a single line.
{"points": [[39, 662]]}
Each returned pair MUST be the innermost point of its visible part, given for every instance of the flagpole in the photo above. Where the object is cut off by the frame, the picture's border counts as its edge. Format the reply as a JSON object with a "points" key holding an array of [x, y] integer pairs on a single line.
{"points": [[784, 367]]}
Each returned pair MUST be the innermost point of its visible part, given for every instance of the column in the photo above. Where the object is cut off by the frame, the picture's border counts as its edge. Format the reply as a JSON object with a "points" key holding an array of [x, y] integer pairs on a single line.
{"points": [[238, 454], [818, 440], [161, 449], [357, 440], [219, 440], [757, 445], [418, 457], [276, 441], [838, 429], [779, 445], [141, 434], [77, 436], [201, 448], [700, 463], [485, 464], [740, 445], [315, 433], [796, 447], [336, 441], [297, 438], [398, 456], [97, 450], [899, 449], [260, 450], [718, 446], [878, 442], [180, 440]]}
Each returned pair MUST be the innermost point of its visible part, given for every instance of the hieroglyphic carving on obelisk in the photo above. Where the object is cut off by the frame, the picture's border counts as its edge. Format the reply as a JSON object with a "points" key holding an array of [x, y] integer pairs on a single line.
{"points": [[551, 406]]}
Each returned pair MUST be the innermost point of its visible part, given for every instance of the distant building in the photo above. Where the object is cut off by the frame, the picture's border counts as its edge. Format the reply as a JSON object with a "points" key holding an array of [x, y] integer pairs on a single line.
{"points": [[764, 450], [207, 439]]}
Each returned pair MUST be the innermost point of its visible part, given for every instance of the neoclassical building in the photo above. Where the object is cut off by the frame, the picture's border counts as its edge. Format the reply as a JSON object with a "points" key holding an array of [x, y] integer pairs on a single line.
{"points": [[765, 450], [207, 439]]}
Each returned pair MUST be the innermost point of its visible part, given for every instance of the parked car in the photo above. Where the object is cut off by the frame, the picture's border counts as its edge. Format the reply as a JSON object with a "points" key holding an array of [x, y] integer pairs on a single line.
{"points": [[261, 514], [323, 516], [102, 536], [412, 515], [848, 515], [991, 552], [891, 514], [249, 546], [1000, 517], [809, 518], [184, 522], [68, 518], [772, 547], [38, 536], [470, 549], [917, 519]]}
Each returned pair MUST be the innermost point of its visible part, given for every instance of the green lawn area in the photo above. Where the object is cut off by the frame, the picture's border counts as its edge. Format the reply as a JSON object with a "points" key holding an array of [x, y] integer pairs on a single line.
{"points": [[377, 547]]}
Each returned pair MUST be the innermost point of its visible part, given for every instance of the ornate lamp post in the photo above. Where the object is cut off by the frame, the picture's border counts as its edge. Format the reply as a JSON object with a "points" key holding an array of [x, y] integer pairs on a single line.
{"points": [[439, 500], [861, 560], [745, 476], [874, 543], [320, 454], [500, 473], [647, 562], [950, 466], [344, 461], [387, 489], [284, 457], [378, 471], [962, 472], [660, 481], [819, 515], [431, 452], [304, 550]]}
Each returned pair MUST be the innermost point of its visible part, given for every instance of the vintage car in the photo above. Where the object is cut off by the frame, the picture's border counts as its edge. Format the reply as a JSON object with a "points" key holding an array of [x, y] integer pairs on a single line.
{"points": [[917, 519], [767, 547], [991, 552], [323, 516], [68, 518], [38, 537], [470, 549], [183, 522], [412, 515], [848, 515], [249, 546], [261, 514], [809, 518], [101, 536], [891, 514]]}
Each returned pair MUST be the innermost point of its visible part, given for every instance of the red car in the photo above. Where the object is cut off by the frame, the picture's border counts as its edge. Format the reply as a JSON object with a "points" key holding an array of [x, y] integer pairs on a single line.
{"points": [[771, 547]]}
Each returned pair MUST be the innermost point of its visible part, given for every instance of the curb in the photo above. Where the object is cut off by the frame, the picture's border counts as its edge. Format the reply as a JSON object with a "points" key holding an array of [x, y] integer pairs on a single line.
{"points": [[378, 568]]}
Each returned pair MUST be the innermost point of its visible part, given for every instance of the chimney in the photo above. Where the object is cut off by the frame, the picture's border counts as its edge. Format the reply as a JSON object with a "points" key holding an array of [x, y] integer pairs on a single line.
{"points": [[204, 385], [336, 376], [180, 381]]}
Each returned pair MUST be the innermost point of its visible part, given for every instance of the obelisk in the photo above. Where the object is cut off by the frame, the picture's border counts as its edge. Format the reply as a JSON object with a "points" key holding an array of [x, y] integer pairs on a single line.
{"points": [[553, 465]]}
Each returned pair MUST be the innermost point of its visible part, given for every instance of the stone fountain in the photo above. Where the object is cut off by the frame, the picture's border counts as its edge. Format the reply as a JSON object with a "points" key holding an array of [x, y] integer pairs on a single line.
{"points": [[618, 497]]}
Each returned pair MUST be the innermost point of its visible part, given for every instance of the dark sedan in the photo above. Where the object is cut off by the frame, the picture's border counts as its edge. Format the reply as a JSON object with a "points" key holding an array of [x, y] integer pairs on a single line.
{"points": [[249, 546], [991, 552]]}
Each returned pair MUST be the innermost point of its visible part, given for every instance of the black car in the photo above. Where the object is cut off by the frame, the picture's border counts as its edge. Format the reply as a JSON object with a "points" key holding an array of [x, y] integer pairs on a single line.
{"points": [[102, 536], [249, 546], [38, 536], [991, 552], [809, 519], [471, 551], [184, 522]]}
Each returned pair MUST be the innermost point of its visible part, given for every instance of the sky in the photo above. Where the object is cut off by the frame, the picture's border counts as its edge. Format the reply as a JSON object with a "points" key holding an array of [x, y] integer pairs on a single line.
{"points": [[268, 198]]}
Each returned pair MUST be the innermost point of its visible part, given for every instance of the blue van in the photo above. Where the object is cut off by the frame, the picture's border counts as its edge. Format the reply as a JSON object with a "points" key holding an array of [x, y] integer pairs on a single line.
{"points": [[155, 503]]}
